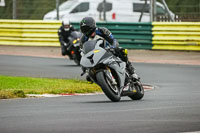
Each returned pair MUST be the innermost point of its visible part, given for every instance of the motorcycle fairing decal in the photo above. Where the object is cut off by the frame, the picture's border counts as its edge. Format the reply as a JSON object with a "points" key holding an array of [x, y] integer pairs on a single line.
{"points": [[74, 42], [87, 61], [96, 51]]}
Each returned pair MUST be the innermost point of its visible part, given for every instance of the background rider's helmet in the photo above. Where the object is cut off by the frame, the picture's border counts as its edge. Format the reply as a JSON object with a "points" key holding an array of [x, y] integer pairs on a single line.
{"points": [[87, 26], [66, 25]]}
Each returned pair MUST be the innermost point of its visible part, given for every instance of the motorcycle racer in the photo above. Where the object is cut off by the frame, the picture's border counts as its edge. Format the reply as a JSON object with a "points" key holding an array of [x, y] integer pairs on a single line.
{"points": [[63, 33], [92, 32]]}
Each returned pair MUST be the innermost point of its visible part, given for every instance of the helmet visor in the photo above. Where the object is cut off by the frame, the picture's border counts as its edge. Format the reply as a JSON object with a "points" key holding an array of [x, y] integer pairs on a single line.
{"points": [[66, 27], [86, 30]]}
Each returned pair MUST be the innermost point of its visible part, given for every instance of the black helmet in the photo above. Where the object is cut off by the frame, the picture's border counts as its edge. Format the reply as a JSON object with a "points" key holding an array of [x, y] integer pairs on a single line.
{"points": [[87, 26]]}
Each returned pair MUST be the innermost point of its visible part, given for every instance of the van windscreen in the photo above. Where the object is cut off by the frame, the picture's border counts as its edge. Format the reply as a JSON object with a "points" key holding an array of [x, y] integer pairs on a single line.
{"points": [[67, 5]]}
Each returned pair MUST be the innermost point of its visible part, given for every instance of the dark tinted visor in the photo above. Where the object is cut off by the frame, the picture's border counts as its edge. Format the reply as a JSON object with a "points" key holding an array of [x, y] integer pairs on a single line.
{"points": [[86, 30]]}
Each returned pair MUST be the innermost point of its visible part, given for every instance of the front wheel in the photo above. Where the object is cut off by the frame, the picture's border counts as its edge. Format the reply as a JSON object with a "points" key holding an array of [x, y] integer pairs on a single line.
{"points": [[111, 91], [139, 91], [77, 58], [77, 61]]}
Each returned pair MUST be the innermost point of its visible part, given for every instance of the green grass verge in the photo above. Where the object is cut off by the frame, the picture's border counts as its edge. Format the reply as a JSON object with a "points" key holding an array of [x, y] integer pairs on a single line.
{"points": [[13, 87]]}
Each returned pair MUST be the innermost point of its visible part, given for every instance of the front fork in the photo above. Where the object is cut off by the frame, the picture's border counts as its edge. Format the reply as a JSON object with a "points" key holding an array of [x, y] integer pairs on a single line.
{"points": [[110, 76]]}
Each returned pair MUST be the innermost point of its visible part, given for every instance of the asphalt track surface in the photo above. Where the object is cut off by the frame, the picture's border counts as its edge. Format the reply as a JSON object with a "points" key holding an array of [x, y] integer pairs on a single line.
{"points": [[173, 106]]}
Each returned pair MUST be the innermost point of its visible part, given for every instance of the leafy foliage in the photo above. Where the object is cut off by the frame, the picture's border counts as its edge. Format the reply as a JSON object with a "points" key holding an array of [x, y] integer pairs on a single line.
{"points": [[28, 9], [183, 6]]}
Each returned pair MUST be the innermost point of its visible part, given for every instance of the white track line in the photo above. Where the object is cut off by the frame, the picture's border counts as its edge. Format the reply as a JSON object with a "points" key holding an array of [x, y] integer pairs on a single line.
{"points": [[146, 88]]}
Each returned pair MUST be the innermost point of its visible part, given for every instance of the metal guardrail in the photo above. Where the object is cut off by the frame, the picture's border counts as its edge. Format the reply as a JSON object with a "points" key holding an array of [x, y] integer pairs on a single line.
{"points": [[176, 35], [158, 35], [129, 35], [29, 32]]}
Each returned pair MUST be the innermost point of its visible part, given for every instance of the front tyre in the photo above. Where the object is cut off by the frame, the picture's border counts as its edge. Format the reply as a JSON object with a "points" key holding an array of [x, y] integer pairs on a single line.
{"points": [[77, 58], [110, 90]]}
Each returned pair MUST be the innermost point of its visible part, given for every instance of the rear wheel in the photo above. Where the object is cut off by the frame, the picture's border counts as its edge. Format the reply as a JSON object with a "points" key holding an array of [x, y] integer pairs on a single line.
{"points": [[138, 91], [110, 90]]}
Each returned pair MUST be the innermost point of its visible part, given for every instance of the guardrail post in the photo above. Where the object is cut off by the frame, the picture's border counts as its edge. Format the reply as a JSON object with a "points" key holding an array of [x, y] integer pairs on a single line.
{"points": [[153, 10], [104, 10], [14, 9], [57, 8]]}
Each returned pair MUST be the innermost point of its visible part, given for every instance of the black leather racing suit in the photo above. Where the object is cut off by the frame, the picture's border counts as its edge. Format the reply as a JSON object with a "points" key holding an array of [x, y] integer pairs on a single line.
{"points": [[107, 35], [63, 38]]}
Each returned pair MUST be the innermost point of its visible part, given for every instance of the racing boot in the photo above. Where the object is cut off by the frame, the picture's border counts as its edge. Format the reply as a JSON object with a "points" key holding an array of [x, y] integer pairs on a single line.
{"points": [[131, 71], [89, 79]]}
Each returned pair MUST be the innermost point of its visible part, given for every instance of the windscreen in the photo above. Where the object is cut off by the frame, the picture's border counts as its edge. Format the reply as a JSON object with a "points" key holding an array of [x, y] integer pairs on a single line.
{"points": [[76, 34], [89, 46], [67, 5]]}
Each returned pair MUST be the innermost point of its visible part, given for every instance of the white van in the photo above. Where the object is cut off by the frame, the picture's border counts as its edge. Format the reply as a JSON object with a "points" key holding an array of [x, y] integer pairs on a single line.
{"points": [[116, 10]]}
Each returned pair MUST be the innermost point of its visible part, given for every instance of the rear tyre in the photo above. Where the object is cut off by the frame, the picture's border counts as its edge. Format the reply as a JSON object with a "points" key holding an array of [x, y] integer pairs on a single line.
{"points": [[139, 94], [112, 92]]}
